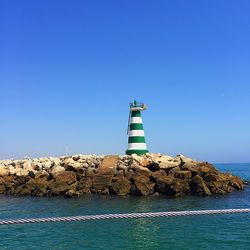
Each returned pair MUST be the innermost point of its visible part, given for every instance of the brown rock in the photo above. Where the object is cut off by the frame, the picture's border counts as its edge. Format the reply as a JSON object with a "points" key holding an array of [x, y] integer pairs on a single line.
{"points": [[214, 177], [72, 193], [23, 190], [161, 158], [9, 163], [167, 165], [62, 181], [142, 184], [120, 185], [22, 179], [219, 187], [198, 186], [35, 186], [179, 187], [90, 172], [236, 183], [173, 171], [183, 174], [85, 185], [206, 168], [76, 157], [57, 170], [191, 166], [156, 194], [2, 189], [21, 172], [142, 170], [145, 163], [2, 186], [163, 182], [102, 180], [80, 173], [221, 183], [10, 182], [42, 175], [183, 158], [122, 167], [4, 171], [71, 165], [67, 177], [168, 185]]}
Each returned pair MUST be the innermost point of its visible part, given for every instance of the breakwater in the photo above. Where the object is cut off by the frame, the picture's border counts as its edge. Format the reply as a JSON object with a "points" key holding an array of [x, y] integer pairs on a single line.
{"points": [[149, 174]]}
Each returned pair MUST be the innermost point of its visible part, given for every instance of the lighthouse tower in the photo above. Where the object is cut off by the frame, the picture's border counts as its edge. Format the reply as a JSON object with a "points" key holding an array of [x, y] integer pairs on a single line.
{"points": [[136, 139]]}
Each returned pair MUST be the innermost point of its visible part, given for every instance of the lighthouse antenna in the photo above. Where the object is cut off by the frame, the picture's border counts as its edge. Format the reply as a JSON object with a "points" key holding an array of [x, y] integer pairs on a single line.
{"points": [[129, 117]]}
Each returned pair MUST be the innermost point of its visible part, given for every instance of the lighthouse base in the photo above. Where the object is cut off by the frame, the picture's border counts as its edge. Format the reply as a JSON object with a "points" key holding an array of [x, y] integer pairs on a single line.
{"points": [[136, 151]]}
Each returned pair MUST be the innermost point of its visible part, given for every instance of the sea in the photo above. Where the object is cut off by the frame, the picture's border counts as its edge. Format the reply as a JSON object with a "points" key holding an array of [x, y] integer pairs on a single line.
{"points": [[193, 232]]}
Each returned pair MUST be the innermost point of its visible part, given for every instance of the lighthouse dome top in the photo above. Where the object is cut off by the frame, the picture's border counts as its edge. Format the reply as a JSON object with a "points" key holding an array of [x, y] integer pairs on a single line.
{"points": [[134, 106]]}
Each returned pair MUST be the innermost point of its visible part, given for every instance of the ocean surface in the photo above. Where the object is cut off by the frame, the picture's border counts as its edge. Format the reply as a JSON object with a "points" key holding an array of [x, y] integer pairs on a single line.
{"points": [[197, 232]]}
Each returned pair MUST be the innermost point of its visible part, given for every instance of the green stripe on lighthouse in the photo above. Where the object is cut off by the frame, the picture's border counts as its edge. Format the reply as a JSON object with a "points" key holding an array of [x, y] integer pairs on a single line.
{"points": [[136, 139], [136, 113], [136, 126]]}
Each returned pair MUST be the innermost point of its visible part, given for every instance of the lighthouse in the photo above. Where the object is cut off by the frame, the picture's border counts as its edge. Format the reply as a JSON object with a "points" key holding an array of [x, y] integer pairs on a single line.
{"points": [[136, 139]]}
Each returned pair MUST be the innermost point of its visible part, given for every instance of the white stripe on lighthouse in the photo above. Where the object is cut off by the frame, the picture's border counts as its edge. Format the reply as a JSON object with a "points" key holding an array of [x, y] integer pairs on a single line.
{"points": [[135, 120], [136, 133], [137, 146]]}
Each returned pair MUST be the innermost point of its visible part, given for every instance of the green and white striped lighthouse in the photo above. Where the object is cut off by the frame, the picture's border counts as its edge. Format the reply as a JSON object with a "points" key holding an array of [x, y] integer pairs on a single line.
{"points": [[136, 139]]}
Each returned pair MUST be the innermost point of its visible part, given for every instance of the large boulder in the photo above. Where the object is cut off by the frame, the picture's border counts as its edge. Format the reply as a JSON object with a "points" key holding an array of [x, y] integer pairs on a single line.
{"points": [[62, 182], [137, 158], [236, 182], [163, 182], [142, 184], [71, 164], [145, 162], [190, 166], [37, 186], [198, 186], [206, 168], [169, 185], [57, 170], [167, 165], [85, 185], [68, 177], [221, 183], [120, 185], [142, 170], [11, 183], [9, 163], [21, 172], [28, 165], [4, 171], [162, 158], [179, 187], [165, 162], [55, 161], [2, 185], [183, 158], [183, 174]]}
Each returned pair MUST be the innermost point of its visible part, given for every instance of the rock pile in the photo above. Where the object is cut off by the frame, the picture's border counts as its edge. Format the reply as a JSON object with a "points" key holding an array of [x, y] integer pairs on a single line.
{"points": [[150, 174]]}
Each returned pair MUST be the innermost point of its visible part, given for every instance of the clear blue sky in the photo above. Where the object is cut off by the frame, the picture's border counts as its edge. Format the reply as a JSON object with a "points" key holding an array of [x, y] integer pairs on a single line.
{"points": [[68, 70]]}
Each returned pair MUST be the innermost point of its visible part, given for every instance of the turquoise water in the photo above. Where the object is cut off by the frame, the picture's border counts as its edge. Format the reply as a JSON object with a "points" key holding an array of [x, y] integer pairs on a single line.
{"points": [[198, 232]]}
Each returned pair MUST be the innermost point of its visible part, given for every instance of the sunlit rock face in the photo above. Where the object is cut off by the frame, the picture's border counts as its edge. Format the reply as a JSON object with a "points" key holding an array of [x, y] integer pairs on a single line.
{"points": [[148, 174]]}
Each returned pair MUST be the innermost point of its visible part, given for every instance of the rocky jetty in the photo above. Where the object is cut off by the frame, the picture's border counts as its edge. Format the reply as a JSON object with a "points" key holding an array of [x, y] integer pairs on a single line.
{"points": [[150, 174]]}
